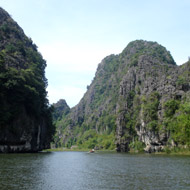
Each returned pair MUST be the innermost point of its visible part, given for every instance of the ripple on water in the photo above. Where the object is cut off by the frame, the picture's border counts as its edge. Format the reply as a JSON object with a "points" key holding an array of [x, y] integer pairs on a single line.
{"points": [[82, 171]]}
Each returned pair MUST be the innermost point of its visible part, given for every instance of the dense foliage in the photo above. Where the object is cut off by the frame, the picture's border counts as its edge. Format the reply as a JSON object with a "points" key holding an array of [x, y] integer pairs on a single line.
{"points": [[150, 109], [177, 120], [137, 97], [22, 78]]}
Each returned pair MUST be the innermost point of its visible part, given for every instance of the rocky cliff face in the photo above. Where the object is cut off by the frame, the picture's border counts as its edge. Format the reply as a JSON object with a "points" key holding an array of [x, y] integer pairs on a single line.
{"points": [[137, 96], [151, 82], [25, 117]]}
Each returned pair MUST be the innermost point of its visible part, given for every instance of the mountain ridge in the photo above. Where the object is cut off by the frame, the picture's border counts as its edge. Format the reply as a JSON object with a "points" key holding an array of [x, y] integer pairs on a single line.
{"points": [[143, 72]]}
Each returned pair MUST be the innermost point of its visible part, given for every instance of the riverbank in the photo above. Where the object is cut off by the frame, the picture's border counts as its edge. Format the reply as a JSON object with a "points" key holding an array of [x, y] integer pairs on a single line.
{"points": [[66, 149], [75, 150], [175, 151], [167, 151]]}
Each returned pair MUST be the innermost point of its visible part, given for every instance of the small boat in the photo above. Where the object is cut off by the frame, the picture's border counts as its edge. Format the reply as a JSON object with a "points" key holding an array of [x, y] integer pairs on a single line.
{"points": [[91, 151]]}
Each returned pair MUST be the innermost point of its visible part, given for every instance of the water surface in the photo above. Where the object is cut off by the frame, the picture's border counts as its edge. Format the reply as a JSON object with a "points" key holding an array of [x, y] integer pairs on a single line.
{"points": [[98, 171]]}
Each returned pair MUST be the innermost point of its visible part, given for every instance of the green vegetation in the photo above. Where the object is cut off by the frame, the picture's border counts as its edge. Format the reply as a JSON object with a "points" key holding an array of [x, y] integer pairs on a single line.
{"points": [[22, 80], [179, 150], [152, 49], [137, 146], [150, 109], [177, 121], [91, 139], [129, 99], [170, 108]]}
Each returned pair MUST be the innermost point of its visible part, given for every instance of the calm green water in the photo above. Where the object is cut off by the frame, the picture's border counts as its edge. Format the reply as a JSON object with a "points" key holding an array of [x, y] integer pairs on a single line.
{"points": [[83, 171]]}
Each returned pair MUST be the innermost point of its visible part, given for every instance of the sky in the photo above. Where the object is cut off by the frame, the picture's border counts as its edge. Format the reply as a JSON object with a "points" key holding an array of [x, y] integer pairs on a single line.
{"points": [[74, 36]]}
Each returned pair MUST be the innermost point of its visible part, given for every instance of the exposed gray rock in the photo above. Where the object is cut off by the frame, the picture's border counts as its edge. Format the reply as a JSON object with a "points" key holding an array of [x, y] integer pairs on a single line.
{"points": [[122, 85]]}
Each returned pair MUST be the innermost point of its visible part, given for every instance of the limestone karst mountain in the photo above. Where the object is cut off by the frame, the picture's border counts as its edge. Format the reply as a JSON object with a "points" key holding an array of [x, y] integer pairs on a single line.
{"points": [[25, 115], [137, 99], [61, 108]]}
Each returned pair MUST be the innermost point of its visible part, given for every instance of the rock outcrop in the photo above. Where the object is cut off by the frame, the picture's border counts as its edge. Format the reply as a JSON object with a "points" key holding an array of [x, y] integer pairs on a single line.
{"points": [[134, 95], [25, 116]]}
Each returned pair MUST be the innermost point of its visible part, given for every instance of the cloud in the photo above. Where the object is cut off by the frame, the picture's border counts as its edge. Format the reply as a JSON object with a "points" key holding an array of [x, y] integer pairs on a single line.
{"points": [[70, 68], [71, 94], [74, 57]]}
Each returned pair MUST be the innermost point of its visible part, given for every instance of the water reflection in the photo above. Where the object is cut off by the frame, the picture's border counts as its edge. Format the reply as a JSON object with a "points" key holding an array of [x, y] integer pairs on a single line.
{"points": [[18, 171], [83, 171]]}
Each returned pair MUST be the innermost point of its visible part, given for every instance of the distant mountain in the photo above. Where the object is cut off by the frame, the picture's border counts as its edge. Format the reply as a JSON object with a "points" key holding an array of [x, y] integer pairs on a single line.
{"points": [[25, 115], [60, 108], [137, 100]]}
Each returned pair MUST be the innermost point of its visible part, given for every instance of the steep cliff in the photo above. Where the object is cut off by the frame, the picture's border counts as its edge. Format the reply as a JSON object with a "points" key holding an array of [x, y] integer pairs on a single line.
{"points": [[135, 101], [25, 116]]}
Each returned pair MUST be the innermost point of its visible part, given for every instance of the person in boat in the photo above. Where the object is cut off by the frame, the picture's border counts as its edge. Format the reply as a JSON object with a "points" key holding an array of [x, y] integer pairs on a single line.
{"points": [[92, 150]]}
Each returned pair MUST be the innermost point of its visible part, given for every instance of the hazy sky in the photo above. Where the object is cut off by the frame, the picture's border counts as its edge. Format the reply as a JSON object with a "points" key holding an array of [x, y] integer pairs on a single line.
{"points": [[75, 35]]}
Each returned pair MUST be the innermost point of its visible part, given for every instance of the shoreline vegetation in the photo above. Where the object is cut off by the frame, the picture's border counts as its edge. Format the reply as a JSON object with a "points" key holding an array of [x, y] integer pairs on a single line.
{"points": [[166, 151]]}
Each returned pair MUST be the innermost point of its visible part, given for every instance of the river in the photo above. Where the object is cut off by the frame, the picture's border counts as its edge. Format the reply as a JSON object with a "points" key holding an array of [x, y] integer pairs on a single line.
{"points": [[94, 171]]}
